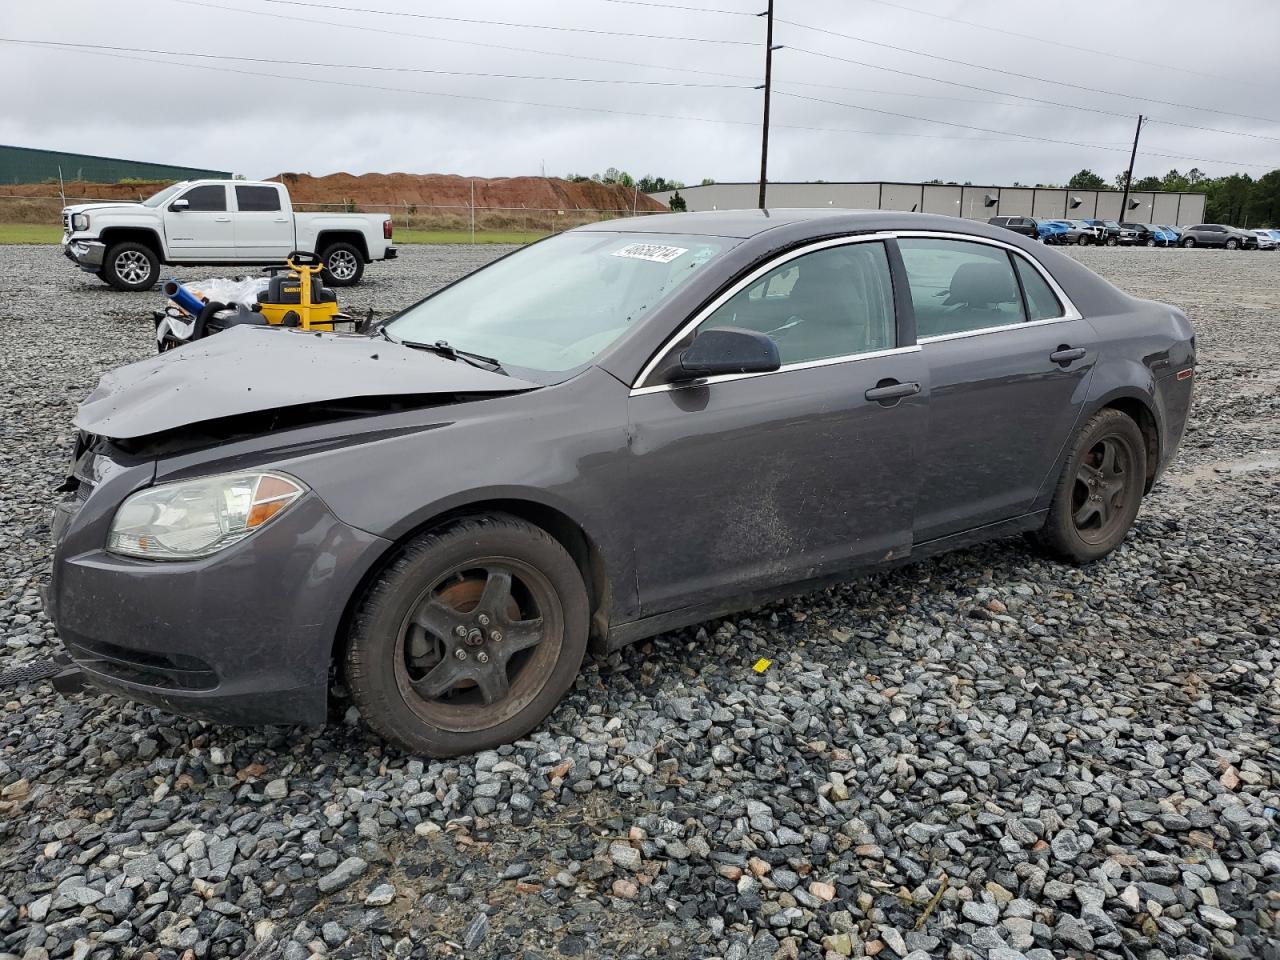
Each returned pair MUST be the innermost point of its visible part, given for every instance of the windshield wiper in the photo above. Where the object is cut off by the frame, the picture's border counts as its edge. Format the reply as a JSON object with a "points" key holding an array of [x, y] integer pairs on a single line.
{"points": [[444, 349]]}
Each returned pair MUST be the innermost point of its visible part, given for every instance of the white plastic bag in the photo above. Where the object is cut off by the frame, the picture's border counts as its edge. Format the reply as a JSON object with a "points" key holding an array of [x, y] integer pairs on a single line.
{"points": [[230, 292]]}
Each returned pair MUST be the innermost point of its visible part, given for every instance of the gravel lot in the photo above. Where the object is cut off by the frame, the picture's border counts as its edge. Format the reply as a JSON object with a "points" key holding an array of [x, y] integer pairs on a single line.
{"points": [[987, 755]]}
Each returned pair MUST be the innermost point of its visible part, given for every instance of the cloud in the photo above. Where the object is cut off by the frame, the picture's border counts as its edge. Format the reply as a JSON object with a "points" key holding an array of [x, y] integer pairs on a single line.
{"points": [[320, 119]]}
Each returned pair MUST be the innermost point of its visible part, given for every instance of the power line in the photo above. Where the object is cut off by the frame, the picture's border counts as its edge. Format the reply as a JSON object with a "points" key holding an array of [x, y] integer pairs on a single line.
{"points": [[1021, 76], [1036, 101], [379, 68], [1059, 43], [507, 23], [1009, 133], [466, 43], [525, 103], [676, 6]]}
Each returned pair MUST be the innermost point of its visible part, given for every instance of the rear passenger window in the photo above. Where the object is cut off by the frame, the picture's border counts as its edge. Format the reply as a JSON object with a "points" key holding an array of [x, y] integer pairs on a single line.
{"points": [[1042, 302], [257, 199], [835, 302], [211, 198], [958, 286]]}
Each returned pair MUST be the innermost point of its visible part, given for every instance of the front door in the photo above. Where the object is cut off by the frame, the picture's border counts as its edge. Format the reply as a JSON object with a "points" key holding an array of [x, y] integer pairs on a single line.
{"points": [[752, 481], [1008, 367], [202, 230], [264, 228]]}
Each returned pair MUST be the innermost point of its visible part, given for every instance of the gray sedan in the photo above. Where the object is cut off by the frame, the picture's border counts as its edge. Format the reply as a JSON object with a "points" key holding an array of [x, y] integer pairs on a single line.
{"points": [[624, 429]]}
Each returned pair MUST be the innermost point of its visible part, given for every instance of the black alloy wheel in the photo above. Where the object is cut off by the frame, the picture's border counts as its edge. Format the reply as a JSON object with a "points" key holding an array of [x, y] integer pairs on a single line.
{"points": [[1099, 490], [469, 637]]}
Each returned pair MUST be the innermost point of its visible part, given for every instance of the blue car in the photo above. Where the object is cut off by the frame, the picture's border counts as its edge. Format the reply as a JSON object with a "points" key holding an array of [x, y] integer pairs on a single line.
{"points": [[1053, 231]]}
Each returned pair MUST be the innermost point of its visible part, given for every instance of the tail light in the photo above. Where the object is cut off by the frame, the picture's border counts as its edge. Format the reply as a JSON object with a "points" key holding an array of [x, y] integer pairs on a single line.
{"points": [[386, 229]]}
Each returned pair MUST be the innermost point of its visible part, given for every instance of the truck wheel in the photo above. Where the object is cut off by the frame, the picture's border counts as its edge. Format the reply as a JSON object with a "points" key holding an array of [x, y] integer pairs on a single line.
{"points": [[469, 637], [130, 266], [343, 265]]}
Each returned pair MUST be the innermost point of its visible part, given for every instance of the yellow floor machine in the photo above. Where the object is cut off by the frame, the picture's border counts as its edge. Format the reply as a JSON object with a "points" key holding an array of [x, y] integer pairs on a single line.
{"points": [[293, 297]]}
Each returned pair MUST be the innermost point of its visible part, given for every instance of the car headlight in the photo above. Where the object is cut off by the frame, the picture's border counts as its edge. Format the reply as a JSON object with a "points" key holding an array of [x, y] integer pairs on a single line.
{"points": [[80, 221], [195, 518]]}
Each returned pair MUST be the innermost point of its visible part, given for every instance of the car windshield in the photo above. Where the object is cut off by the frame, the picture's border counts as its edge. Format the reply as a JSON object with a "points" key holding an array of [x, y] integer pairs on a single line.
{"points": [[556, 304], [156, 199]]}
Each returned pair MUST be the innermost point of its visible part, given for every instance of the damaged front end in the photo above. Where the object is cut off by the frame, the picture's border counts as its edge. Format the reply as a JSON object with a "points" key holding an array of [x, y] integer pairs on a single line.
{"points": [[148, 598]]}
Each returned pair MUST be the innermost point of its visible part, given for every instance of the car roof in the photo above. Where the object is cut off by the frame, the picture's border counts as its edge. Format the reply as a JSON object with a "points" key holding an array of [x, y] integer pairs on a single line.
{"points": [[742, 224]]}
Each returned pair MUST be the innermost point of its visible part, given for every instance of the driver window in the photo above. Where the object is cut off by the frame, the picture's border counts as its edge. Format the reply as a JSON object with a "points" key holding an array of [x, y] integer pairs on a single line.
{"points": [[210, 198], [836, 302]]}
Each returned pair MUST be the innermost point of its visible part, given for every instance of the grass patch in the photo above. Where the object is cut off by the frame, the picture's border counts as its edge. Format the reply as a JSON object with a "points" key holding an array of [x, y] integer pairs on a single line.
{"points": [[29, 233]]}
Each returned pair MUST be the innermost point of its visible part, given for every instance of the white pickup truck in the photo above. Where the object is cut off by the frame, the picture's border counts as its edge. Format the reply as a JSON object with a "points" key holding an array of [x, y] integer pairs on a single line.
{"points": [[233, 222]]}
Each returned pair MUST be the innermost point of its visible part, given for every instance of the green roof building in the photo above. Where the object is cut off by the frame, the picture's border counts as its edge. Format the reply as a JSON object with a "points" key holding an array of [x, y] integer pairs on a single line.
{"points": [[27, 165]]}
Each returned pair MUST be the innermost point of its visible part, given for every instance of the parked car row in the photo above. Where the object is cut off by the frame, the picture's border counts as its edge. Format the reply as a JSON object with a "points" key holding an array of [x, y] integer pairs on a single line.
{"points": [[1113, 234]]}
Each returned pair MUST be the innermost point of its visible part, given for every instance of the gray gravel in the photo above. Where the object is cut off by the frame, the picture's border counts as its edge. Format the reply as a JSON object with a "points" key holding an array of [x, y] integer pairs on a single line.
{"points": [[987, 755]]}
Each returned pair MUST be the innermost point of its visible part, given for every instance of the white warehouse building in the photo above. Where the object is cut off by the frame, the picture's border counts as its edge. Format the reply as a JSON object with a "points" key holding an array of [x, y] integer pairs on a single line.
{"points": [[972, 202]]}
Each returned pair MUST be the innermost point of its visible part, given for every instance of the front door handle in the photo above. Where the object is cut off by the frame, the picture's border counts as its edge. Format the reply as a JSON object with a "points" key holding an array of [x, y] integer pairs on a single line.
{"points": [[222, 219], [1065, 355], [889, 392]]}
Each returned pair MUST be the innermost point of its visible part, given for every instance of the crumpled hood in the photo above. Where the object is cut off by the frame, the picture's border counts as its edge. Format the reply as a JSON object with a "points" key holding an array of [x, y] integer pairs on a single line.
{"points": [[254, 369]]}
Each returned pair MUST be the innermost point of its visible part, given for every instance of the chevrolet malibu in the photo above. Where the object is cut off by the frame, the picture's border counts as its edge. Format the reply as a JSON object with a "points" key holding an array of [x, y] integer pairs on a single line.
{"points": [[624, 429]]}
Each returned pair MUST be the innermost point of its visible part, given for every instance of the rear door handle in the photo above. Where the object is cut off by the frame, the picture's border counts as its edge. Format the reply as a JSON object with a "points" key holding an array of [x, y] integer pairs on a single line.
{"points": [[222, 219], [1065, 355], [891, 391]]}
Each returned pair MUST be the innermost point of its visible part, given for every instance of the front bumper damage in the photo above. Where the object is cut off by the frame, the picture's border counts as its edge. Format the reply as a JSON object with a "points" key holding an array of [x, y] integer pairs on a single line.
{"points": [[244, 636], [85, 254]]}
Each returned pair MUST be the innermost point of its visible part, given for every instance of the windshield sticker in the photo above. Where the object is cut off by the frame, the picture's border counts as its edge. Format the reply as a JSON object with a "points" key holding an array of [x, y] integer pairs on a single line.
{"points": [[653, 252]]}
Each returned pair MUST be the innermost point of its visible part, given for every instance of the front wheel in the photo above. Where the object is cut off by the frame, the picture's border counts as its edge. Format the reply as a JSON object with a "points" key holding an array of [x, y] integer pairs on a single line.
{"points": [[1232, 244], [130, 266], [343, 265], [1189, 242], [1081, 240], [1099, 491], [469, 637], [1151, 243]]}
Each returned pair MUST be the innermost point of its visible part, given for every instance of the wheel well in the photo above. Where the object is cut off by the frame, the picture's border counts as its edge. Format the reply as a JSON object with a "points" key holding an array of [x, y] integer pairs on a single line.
{"points": [[586, 555], [357, 240], [1141, 414], [141, 235]]}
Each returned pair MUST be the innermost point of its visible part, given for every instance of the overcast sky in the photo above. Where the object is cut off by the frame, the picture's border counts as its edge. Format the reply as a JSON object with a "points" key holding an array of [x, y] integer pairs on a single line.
{"points": [[261, 125]]}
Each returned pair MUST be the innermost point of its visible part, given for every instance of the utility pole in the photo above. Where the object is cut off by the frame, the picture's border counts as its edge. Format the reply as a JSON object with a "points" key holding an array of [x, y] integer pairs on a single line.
{"points": [[768, 84], [1128, 179]]}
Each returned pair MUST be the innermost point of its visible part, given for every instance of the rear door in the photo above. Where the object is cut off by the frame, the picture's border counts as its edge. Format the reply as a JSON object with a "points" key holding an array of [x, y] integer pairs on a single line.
{"points": [[750, 481], [204, 229], [1008, 362], [263, 226]]}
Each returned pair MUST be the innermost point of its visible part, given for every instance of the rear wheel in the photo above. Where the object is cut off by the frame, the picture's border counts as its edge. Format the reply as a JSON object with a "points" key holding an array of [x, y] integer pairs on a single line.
{"points": [[1113, 242], [469, 638], [343, 265], [1100, 489], [130, 266]]}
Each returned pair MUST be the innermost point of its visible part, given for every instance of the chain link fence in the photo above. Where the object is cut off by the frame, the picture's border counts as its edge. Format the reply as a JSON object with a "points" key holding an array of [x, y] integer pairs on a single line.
{"points": [[407, 215]]}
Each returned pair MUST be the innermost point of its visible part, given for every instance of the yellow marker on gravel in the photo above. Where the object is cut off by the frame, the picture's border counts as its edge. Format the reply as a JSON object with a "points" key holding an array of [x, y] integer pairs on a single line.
{"points": [[761, 665]]}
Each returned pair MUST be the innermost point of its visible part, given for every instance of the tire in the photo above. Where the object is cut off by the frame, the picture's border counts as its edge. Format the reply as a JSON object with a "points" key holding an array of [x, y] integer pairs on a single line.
{"points": [[1081, 240], [343, 265], [1232, 244], [1100, 490], [130, 266], [1189, 242], [404, 632], [1113, 242], [1151, 243]]}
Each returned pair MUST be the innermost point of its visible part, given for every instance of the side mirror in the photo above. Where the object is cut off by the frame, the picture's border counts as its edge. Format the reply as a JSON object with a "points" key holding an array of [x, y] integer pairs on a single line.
{"points": [[726, 350], [178, 206]]}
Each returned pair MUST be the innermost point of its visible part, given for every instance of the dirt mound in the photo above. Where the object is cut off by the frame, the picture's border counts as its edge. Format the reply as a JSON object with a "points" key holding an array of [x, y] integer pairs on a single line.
{"points": [[448, 190]]}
